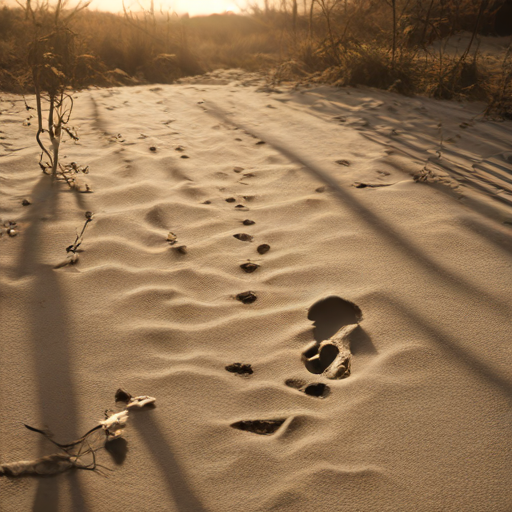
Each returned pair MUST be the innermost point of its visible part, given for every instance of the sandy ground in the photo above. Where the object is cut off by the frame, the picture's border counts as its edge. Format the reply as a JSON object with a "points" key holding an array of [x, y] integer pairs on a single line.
{"points": [[423, 421]]}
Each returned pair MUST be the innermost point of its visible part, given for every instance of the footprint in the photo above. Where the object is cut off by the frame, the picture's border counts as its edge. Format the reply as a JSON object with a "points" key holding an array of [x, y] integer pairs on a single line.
{"points": [[261, 427], [240, 369], [317, 389], [335, 319]]}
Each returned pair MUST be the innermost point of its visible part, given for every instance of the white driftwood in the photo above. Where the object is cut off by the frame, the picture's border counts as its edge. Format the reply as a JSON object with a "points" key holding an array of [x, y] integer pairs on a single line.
{"points": [[50, 465], [140, 401]]}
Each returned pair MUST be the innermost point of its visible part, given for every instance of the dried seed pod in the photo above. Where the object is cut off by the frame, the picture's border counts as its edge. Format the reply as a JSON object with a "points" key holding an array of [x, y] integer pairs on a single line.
{"points": [[244, 237], [247, 297], [260, 142], [263, 248], [122, 396], [88, 215], [172, 238], [249, 267], [184, 156]]}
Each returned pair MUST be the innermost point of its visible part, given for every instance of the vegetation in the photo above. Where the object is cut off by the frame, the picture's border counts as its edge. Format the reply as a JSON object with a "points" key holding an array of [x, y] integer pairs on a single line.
{"points": [[401, 45]]}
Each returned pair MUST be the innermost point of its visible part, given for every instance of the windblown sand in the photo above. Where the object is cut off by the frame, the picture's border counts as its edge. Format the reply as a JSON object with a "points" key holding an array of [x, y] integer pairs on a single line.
{"points": [[422, 423]]}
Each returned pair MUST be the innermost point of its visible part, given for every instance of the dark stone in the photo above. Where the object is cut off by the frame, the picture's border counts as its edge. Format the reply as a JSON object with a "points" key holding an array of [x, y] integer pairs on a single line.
{"points": [[263, 248], [244, 237], [249, 267], [247, 297]]}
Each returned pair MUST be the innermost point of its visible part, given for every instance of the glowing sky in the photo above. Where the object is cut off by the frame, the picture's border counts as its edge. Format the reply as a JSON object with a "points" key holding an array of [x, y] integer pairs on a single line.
{"points": [[193, 7]]}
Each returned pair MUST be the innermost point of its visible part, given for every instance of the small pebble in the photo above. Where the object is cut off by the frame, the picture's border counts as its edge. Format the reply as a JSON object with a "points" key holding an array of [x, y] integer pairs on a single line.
{"points": [[247, 297], [260, 142], [26, 202], [249, 267], [12, 232], [230, 200], [239, 140], [343, 162], [238, 169], [184, 156], [152, 148], [240, 206], [244, 237], [320, 189], [263, 248], [207, 202], [248, 222], [181, 249]]}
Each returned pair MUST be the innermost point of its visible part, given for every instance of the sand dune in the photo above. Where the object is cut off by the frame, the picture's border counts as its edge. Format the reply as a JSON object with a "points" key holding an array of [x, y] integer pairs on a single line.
{"points": [[421, 422]]}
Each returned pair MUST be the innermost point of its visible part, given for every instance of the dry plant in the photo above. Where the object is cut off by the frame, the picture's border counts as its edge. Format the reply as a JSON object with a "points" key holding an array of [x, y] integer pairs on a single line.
{"points": [[72, 250], [404, 45], [85, 447], [53, 60]]}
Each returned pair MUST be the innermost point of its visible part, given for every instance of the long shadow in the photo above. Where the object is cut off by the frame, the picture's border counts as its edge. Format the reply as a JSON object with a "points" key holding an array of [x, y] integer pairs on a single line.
{"points": [[378, 224], [179, 489], [50, 349], [501, 237], [450, 344], [50, 339]]}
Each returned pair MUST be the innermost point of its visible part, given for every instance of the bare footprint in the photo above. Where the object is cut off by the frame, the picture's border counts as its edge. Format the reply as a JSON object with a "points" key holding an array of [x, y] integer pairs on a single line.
{"points": [[330, 354]]}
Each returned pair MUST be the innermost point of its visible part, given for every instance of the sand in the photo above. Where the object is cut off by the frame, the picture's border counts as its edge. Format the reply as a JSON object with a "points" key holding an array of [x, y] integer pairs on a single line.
{"points": [[423, 420]]}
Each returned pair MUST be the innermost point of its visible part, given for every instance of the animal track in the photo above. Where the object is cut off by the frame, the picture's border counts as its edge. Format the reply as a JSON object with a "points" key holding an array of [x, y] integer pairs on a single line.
{"points": [[261, 427], [335, 319]]}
